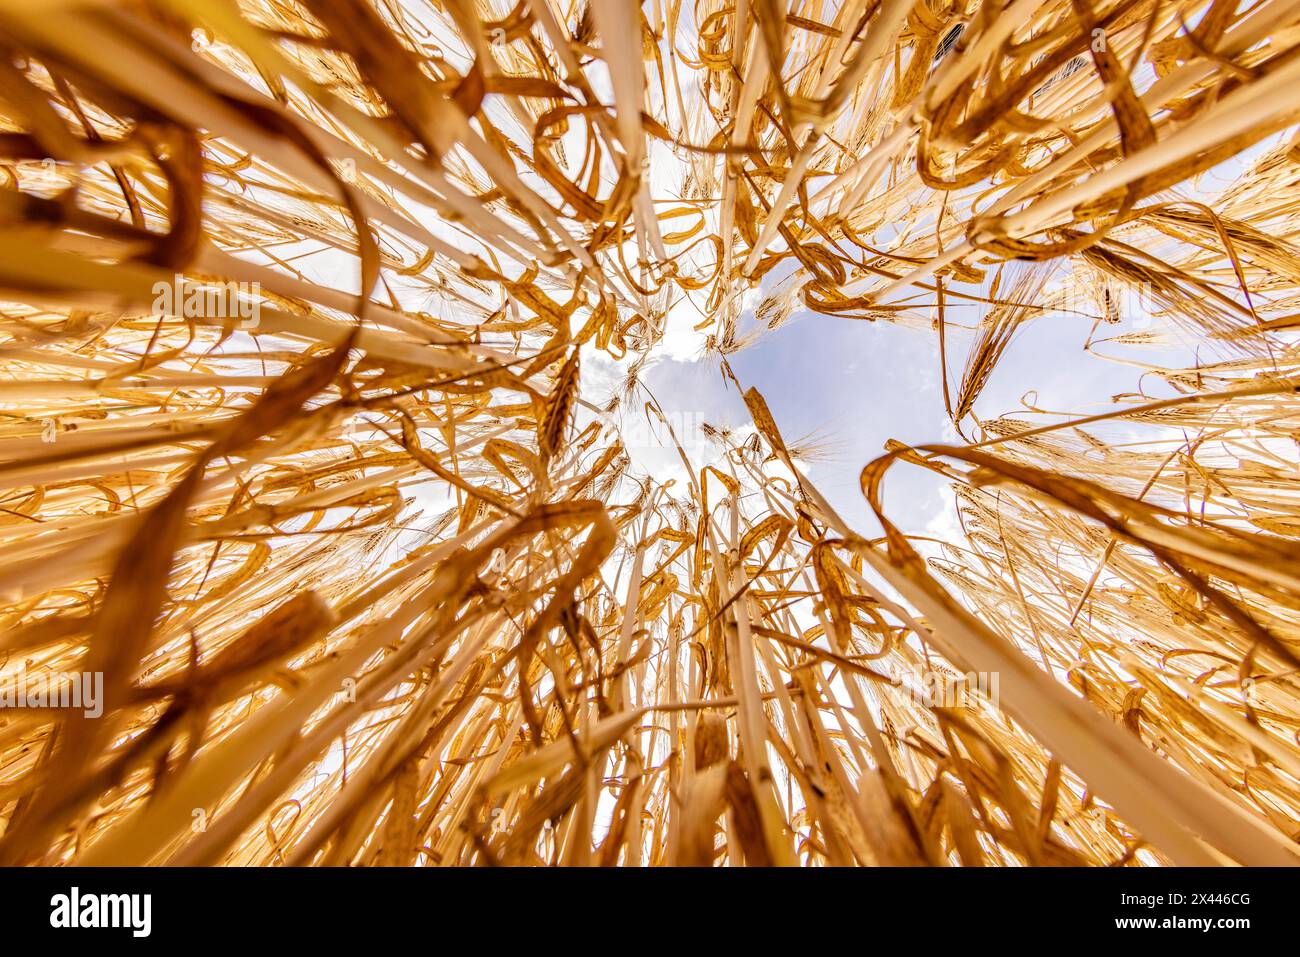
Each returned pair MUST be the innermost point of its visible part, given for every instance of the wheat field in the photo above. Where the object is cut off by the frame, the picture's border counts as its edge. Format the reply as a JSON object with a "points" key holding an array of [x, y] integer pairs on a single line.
{"points": [[301, 473]]}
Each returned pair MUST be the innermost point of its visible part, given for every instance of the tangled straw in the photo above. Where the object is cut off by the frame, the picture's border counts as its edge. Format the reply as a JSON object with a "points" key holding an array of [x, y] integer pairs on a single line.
{"points": [[279, 277]]}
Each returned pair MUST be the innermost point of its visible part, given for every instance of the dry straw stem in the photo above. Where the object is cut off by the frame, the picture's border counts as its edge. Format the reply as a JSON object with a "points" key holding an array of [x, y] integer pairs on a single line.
{"points": [[371, 583]]}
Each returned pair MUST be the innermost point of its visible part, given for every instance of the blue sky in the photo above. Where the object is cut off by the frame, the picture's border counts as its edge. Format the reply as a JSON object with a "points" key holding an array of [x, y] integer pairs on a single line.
{"points": [[858, 384]]}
